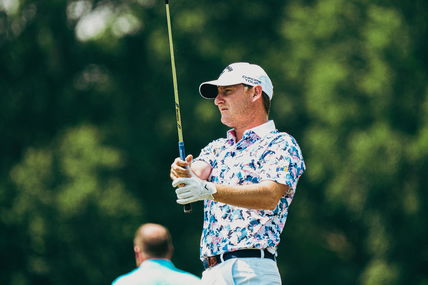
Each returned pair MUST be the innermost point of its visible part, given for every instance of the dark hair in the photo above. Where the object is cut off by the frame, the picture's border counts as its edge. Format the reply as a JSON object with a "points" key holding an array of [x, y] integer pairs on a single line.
{"points": [[157, 248], [266, 100]]}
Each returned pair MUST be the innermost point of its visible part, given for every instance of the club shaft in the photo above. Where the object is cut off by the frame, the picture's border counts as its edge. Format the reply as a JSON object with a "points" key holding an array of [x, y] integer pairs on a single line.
{"points": [[181, 149]]}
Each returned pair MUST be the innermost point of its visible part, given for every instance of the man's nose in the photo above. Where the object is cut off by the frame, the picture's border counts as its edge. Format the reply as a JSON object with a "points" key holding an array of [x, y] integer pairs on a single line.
{"points": [[218, 99]]}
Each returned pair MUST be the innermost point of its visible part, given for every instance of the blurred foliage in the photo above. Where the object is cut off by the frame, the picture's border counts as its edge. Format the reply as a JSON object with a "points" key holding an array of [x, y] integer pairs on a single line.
{"points": [[88, 131]]}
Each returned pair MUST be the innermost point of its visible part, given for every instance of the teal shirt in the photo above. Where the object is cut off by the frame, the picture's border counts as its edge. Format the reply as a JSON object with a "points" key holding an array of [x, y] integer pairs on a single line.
{"points": [[157, 272]]}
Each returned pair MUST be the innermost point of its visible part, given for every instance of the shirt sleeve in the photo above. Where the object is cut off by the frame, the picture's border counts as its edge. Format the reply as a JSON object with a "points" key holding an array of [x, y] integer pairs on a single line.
{"points": [[208, 154], [282, 162]]}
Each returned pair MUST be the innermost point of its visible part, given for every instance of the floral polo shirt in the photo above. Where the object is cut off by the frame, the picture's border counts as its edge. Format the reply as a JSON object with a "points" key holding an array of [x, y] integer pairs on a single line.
{"points": [[263, 153]]}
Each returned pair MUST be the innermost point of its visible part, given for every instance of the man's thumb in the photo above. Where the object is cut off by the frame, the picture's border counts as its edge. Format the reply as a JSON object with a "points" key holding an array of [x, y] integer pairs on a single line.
{"points": [[189, 159]]}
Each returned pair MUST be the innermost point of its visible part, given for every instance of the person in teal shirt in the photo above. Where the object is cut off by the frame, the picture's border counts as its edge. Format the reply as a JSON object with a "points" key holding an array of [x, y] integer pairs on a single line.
{"points": [[153, 252]]}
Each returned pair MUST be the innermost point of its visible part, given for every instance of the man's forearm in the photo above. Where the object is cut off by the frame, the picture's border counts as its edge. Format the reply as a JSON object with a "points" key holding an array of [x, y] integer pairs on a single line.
{"points": [[262, 196]]}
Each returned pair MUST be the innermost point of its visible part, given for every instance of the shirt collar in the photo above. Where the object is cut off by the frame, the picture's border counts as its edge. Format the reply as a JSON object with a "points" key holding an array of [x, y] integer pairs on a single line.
{"points": [[161, 261], [260, 130], [264, 129]]}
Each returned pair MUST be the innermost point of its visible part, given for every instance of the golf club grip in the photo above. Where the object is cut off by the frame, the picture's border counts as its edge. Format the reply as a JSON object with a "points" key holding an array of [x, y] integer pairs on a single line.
{"points": [[188, 207]]}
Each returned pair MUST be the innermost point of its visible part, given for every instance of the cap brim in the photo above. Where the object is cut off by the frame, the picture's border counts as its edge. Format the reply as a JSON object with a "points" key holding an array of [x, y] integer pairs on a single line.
{"points": [[208, 89]]}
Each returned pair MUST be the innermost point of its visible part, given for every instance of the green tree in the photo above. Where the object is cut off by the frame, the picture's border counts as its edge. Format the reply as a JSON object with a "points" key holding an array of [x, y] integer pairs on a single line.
{"points": [[88, 131], [70, 208]]}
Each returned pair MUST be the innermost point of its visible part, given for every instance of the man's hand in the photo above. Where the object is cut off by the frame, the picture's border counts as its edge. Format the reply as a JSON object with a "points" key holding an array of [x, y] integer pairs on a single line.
{"points": [[193, 189], [181, 168]]}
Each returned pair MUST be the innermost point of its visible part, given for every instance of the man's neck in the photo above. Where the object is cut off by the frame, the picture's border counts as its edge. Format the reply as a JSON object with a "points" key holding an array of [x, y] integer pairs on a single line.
{"points": [[152, 258], [239, 131]]}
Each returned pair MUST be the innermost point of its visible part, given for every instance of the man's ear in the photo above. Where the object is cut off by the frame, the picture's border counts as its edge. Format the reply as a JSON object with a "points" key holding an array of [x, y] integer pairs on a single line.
{"points": [[257, 92], [138, 255]]}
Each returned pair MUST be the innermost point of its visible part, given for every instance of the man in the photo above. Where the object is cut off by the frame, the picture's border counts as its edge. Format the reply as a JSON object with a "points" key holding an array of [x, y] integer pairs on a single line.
{"points": [[247, 181], [153, 251]]}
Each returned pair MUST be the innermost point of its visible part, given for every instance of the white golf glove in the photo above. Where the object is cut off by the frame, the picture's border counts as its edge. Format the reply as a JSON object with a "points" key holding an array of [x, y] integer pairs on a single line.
{"points": [[194, 189]]}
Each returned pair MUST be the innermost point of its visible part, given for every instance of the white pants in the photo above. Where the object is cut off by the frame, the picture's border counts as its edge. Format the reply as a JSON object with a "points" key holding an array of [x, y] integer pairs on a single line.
{"points": [[248, 271]]}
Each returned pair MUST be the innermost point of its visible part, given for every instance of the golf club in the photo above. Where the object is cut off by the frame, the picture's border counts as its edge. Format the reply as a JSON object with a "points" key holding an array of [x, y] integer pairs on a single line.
{"points": [[187, 207]]}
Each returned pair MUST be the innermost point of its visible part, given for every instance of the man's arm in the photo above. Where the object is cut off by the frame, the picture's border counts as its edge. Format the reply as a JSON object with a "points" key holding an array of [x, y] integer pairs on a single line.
{"points": [[262, 196]]}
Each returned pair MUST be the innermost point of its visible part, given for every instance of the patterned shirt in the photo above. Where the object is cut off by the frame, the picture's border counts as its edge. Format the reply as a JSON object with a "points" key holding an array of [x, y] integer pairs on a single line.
{"points": [[263, 153]]}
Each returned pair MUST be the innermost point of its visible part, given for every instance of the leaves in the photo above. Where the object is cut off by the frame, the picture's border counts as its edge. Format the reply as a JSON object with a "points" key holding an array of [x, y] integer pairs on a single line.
{"points": [[88, 131]]}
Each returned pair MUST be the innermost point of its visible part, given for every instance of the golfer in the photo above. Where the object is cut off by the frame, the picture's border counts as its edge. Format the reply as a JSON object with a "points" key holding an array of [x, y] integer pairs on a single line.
{"points": [[246, 180]]}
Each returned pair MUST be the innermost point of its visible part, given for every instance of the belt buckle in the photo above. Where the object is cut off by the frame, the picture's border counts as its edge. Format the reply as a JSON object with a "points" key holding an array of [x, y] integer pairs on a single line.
{"points": [[212, 260]]}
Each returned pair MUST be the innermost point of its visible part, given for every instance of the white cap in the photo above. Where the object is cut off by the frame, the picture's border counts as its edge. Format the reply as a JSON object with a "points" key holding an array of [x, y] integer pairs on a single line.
{"points": [[236, 73]]}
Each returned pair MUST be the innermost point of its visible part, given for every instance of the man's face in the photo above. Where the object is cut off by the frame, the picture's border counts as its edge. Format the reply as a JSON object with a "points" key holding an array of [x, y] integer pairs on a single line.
{"points": [[234, 103]]}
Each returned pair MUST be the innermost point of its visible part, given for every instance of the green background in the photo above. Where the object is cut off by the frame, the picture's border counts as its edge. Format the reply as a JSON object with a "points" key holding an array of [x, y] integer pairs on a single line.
{"points": [[88, 132]]}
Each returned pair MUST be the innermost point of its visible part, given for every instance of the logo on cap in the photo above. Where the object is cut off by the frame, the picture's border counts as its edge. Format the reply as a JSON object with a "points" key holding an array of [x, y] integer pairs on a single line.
{"points": [[228, 69], [251, 80]]}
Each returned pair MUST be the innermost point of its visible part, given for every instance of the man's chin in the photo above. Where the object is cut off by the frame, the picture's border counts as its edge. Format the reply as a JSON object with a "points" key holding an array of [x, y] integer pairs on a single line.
{"points": [[226, 122]]}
